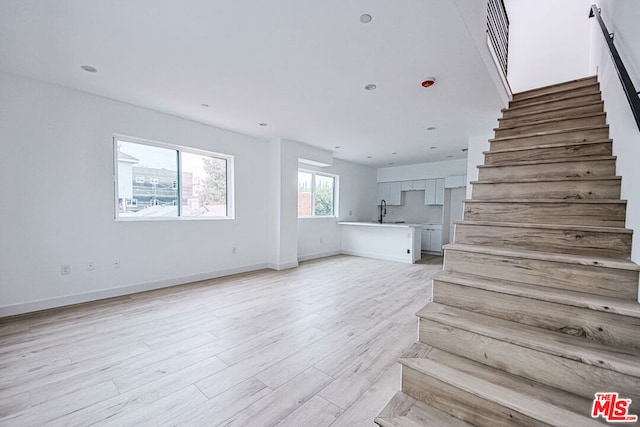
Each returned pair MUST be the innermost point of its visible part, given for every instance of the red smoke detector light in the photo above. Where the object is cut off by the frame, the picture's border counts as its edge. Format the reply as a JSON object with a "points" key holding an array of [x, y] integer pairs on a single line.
{"points": [[429, 82]]}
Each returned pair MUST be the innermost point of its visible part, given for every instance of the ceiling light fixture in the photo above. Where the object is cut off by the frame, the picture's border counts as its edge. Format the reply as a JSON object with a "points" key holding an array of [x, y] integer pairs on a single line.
{"points": [[430, 81], [433, 148], [89, 68], [337, 147], [431, 128], [263, 124], [365, 18], [370, 86], [204, 105], [394, 153], [369, 157]]}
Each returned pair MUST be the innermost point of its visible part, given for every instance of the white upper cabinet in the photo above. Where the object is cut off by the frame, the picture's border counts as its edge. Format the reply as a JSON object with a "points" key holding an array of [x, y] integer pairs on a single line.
{"points": [[419, 184], [395, 193], [390, 192], [434, 192], [455, 181]]}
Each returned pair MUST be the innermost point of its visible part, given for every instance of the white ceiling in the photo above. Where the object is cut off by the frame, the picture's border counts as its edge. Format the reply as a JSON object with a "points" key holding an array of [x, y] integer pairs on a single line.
{"points": [[298, 65]]}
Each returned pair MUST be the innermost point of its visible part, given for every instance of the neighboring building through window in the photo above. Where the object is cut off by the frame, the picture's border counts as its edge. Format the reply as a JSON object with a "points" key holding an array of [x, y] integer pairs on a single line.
{"points": [[317, 194], [160, 180]]}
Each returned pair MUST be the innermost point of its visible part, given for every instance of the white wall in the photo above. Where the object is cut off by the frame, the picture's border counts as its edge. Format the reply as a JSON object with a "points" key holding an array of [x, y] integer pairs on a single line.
{"points": [[423, 171], [477, 145], [56, 164], [621, 17], [548, 42], [357, 202]]}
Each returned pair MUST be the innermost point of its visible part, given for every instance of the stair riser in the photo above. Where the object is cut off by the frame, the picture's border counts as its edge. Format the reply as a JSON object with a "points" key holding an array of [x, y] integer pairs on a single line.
{"points": [[556, 125], [599, 215], [575, 242], [460, 403], [588, 169], [597, 107], [544, 106], [534, 141], [571, 152], [576, 377], [594, 325], [611, 282], [574, 84], [597, 189], [556, 96]]}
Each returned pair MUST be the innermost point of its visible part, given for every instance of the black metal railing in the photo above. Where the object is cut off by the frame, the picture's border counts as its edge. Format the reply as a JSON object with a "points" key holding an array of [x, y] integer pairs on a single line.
{"points": [[627, 84], [498, 32]]}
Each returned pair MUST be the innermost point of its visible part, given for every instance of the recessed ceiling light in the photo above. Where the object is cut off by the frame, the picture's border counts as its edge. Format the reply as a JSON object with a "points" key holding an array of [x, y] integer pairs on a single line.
{"points": [[336, 147], [370, 86], [263, 124], [89, 68], [369, 157], [431, 128], [365, 18], [204, 105], [394, 153], [390, 163], [449, 156], [433, 148]]}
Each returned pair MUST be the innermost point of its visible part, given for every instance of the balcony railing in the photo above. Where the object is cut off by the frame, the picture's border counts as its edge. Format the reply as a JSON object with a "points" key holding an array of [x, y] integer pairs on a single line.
{"points": [[498, 32]]}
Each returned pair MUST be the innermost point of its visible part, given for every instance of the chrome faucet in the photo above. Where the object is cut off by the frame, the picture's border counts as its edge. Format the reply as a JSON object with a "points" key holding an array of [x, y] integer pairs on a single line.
{"points": [[383, 210]]}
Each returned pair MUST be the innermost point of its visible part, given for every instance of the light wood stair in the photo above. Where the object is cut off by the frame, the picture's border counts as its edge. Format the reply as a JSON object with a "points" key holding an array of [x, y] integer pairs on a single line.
{"points": [[536, 307]]}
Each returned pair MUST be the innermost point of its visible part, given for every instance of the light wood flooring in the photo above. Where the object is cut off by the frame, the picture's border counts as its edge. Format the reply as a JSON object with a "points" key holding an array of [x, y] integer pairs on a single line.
{"points": [[313, 346]]}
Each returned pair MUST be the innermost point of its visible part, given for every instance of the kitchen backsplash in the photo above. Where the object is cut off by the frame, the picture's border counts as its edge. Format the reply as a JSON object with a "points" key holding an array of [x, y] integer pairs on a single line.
{"points": [[414, 210]]}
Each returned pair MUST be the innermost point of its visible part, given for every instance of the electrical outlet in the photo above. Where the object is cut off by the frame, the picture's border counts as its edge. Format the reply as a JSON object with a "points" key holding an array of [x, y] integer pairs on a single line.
{"points": [[116, 263], [408, 251], [233, 251], [91, 266], [65, 269]]}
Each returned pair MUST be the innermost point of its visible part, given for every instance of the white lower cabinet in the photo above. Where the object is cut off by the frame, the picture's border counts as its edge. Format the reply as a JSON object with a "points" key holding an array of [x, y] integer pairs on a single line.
{"points": [[432, 239]]}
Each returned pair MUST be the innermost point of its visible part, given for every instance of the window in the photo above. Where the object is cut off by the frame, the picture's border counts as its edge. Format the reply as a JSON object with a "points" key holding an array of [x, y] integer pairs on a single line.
{"points": [[170, 181], [316, 194]]}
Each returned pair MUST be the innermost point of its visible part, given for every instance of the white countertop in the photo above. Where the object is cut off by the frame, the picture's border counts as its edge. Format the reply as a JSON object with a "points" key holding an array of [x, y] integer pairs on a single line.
{"points": [[384, 224]]}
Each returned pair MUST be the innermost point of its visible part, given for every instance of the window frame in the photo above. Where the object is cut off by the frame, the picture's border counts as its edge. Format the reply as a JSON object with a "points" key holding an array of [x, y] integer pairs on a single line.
{"points": [[230, 178], [336, 185]]}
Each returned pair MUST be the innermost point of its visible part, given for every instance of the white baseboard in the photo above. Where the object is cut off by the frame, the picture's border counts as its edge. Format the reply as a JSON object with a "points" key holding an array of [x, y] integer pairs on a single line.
{"points": [[31, 306], [318, 255], [284, 266], [377, 256]]}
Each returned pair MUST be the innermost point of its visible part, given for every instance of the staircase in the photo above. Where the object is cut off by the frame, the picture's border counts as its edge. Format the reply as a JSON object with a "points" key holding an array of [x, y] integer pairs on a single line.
{"points": [[536, 308]]}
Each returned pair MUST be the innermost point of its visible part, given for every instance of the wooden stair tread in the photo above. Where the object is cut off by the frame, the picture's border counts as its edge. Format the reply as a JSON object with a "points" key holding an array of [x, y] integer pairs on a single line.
{"points": [[549, 226], [531, 407], [555, 145], [587, 80], [497, 376], [542, 293], [405, 411], [548, 110], [546, 256], [549, 161], [550, 201], [564, 179], [550, 132], [550, 342], [549, 121], [520, 97], [576, 99]]}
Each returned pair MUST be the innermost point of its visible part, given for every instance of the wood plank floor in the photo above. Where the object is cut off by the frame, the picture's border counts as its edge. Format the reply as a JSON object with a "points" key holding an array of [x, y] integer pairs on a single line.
{"points": [[316, 346]]}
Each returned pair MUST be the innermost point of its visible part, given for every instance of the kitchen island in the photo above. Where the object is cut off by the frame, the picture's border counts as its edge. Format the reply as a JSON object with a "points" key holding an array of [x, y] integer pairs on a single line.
{"points": [[391, 241]]}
